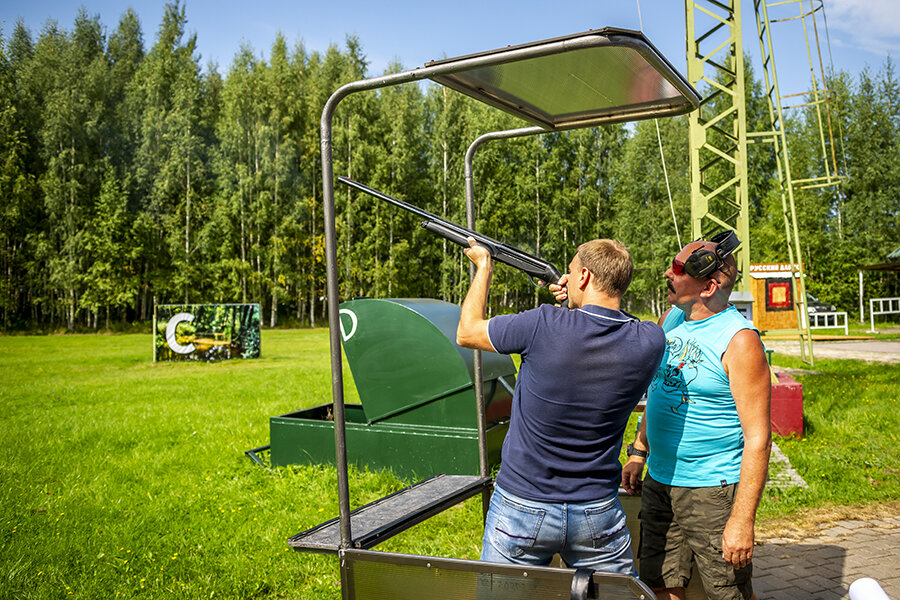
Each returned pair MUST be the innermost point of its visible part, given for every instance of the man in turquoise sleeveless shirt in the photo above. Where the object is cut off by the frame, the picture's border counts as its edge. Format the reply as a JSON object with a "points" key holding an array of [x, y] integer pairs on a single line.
{"points": [[706, 434]]}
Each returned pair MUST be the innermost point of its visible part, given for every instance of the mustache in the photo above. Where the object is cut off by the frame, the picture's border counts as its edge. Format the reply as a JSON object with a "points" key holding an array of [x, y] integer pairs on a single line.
{"points": [[669, 285]]}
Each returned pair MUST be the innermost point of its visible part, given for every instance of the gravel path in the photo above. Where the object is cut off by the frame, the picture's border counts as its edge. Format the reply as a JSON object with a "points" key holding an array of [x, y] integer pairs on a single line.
{"points": [[887, 351]]}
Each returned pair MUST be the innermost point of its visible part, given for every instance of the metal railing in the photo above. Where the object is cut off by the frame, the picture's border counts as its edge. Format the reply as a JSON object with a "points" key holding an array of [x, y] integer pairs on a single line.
{"points": [[886, 306], [829, 320]]}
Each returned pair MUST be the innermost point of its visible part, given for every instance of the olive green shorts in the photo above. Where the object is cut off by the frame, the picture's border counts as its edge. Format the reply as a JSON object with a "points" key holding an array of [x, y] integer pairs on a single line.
{"points": [[680, 525]]}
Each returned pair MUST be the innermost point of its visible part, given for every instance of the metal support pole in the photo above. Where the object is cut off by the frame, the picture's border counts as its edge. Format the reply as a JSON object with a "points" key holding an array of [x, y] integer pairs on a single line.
{"points": [[332, 291], [332, 299], [328, 209], [862, 314], [470, 223], [872, 314]]}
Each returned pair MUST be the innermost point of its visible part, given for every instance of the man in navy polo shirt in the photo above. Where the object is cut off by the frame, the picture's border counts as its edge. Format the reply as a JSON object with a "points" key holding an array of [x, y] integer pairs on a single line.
{"points": [[583, 372]]}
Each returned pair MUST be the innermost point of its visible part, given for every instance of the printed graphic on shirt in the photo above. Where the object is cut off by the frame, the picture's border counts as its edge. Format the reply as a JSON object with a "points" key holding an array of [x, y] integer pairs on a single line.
{"points": [[681, 368]]}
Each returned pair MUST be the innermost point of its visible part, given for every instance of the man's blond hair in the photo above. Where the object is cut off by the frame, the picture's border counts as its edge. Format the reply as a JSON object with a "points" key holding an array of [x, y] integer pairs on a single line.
{"points": [[610, 265]]}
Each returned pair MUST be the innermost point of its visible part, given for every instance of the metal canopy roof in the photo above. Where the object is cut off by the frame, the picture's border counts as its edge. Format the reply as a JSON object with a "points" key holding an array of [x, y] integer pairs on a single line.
{"points": [[581, 80]]}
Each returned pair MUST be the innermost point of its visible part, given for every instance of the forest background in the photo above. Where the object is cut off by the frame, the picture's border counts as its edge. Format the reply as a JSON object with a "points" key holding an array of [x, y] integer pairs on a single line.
{"points": [[133, 177]]}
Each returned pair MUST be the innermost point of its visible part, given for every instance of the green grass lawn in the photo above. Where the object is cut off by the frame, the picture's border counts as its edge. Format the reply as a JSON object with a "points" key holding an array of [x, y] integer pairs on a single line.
{"points": [[849, 453], [124, 478]]}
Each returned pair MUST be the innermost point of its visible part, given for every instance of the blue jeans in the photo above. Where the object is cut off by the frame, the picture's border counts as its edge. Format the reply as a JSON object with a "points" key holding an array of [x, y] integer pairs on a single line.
{"points": [[591, 535]]}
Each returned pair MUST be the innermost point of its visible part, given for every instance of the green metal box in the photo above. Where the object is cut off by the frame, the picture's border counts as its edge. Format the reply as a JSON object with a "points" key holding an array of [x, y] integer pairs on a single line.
{"points": [[417, 414]]}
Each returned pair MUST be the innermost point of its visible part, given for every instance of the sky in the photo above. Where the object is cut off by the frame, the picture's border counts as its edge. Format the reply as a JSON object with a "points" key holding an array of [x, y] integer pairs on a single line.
{"points": [[862, 33]]}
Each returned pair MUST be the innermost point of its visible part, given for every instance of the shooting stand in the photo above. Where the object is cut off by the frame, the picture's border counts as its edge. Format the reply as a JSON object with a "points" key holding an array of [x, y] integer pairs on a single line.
{"points": [[581, 80]]}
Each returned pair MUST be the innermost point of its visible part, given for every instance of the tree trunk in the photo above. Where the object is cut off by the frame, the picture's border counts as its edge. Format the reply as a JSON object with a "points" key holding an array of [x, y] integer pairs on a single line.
{"points": [[537, 219], [11, 256], [70, 217], [258, 222], [70, 310], [273, 309], [349, 196], [390, 254], [445, 293], [377, 252], [274, 314], [312, 255], [187, 224], [145, 292], [243, 247]]}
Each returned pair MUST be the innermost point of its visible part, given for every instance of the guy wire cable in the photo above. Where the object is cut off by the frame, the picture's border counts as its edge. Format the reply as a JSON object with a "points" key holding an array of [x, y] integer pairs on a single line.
{"points": [[668, 189], [661, 153], [828, 93]]}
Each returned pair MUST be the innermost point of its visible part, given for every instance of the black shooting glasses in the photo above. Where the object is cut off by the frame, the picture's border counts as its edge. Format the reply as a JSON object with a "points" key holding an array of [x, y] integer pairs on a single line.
{"points": [[703, 262]]}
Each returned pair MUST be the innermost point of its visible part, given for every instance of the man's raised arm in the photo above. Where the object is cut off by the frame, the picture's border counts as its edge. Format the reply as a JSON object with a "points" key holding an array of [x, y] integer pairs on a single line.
{"points": [[472, 331]]}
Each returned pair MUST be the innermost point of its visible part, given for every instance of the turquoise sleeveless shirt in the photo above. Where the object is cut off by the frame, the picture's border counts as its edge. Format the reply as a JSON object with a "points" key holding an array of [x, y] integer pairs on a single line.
{"points": [[693, 428]]}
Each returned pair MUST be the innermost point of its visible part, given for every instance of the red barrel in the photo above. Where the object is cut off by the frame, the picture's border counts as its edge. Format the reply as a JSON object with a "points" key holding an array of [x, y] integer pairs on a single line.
{"points": [[787, 406]]}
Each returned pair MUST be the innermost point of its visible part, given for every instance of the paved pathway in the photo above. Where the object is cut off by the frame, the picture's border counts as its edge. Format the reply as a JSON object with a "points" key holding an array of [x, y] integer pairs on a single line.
{"points": [[823, 565], [781, 473], [868, 350]]}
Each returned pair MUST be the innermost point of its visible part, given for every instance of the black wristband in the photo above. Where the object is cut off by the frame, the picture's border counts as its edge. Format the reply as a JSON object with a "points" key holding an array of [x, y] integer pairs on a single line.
{"points": [[630, 450]]}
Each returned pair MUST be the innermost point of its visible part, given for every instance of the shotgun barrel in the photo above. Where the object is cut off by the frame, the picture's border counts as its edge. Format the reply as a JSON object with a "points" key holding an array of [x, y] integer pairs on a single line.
{"points": [[542, 273]]}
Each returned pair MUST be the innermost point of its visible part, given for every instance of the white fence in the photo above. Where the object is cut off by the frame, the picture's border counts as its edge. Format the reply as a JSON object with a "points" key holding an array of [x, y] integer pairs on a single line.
{"points": [[828, 320], [882, 306]]}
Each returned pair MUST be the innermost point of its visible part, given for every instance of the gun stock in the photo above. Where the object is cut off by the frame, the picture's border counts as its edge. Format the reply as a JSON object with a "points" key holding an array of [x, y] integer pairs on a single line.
{"points": [[541, 272]]}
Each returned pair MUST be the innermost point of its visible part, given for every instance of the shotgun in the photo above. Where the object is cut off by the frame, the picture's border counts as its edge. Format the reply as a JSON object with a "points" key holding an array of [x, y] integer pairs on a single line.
{"points": [[542, 273]]}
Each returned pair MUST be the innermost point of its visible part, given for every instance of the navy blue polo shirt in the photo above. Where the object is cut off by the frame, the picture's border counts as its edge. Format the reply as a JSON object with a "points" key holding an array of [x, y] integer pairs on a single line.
{"points": [[583, 371]]}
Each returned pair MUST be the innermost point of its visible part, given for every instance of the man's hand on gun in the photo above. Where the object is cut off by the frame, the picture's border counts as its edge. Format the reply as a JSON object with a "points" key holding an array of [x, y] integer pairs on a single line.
{"points": [[477, 253], [481, 258], [559, 290]]}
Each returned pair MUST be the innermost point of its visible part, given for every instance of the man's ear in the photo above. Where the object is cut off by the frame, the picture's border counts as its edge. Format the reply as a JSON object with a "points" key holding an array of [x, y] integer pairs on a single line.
{"points": [[710, 288], [584, 278]]}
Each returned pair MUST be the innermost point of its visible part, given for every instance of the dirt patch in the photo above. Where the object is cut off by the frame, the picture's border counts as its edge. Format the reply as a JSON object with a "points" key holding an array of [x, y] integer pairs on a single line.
{"points": [[794, 372], [810, 522]]}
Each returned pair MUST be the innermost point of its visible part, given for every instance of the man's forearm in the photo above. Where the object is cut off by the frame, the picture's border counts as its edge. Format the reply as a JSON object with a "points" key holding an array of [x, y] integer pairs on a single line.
{"points": [[738, 537], [754, 470], [640, 437], [633, 469], [472, 330]]}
